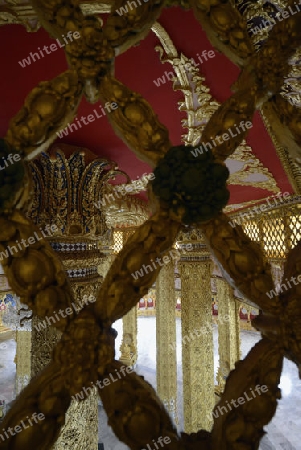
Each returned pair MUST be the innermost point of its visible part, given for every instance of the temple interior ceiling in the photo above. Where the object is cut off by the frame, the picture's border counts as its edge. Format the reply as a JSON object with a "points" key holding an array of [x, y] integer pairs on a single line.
{"points": [[258, 169], [147, 91]]}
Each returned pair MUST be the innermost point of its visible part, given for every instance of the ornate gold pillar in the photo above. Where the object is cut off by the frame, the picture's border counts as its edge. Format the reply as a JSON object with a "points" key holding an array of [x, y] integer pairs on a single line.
{"points": [[80, 224], [228, 330], [22, 359], [277, 269], [197, 335], [81, 423], [166, 339], [18, 319], [3, 328]]}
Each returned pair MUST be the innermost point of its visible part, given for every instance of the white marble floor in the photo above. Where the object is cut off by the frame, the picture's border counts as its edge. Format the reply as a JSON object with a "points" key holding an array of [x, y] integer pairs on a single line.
{"points": [[283, 431]]}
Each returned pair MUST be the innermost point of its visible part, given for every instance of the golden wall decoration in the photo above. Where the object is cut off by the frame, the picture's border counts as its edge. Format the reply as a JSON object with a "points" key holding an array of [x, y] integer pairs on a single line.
{"points": [[85, 352]]}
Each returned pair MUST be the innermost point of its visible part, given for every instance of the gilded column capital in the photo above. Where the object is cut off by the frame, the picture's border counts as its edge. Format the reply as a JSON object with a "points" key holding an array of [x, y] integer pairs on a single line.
{"points": [[192, 246]]}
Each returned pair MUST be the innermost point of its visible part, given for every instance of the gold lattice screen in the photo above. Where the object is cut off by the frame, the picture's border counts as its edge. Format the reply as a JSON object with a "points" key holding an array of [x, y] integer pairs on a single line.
{"points": [[277, 231], [120, 237]]}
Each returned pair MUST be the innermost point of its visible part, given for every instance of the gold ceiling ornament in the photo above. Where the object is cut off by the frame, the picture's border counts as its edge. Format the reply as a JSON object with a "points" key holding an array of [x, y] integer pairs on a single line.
{"points": [[86, 350], [225, 28], [135, 122], [233, 208], [252, 166], [255, 13], [47, 109], [192, 84], [284, 119], [18, 12], [22, 12]]}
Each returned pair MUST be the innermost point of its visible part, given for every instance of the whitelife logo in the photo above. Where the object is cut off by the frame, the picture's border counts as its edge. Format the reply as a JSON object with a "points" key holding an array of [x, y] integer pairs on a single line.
{"points": [[106, 382], [10, 160], [174, 254], [273, 293], [53, 47], [68, 311], [259, 209], [90, 118], [10, 250], [220, 139], [123, 190], [18, 428], [124, 9], [220, 410], [280, 16]]}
